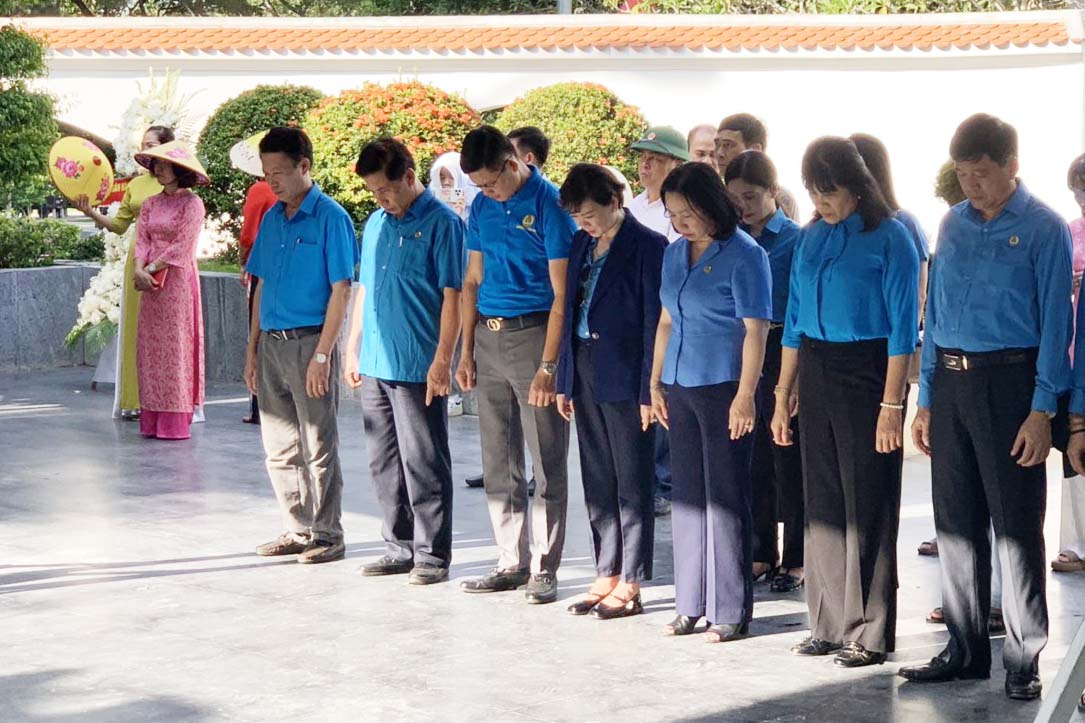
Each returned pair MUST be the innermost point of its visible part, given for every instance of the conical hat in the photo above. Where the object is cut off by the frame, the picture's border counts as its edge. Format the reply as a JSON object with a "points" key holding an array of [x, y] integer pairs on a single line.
{"points": [[245, 155], [78, 167], [178, 153]]}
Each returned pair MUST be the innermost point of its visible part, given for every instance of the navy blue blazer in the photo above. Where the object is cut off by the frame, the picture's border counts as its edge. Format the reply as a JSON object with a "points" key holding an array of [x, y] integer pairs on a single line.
{"points": [[622, 317]]}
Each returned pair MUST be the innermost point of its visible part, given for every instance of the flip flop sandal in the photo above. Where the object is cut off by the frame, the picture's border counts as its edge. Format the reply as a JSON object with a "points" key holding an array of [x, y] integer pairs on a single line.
{"points": [[1068, 561]]}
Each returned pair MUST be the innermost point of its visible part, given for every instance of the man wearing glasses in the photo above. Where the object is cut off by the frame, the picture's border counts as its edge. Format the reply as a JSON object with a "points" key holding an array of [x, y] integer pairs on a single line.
{"points": [[512, 319]]}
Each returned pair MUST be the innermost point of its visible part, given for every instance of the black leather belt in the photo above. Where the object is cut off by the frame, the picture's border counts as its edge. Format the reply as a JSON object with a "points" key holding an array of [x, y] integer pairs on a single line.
{"points": [[511, 323], [960, 361], [298, 333]]}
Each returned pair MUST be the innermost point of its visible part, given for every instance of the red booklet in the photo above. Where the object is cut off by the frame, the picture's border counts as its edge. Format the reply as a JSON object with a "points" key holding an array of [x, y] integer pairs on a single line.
{"points": [[160, 276]]}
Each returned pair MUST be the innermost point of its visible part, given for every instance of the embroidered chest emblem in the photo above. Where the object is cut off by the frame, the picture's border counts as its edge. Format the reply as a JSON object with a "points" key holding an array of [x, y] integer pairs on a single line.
{"points": [[1014, 240], [528, 222], [418, 234], [708, 269]]}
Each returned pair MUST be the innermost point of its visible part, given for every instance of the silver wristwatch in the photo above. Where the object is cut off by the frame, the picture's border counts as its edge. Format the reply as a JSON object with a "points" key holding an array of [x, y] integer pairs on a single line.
{"points": [[549, 368], [321, 358]]}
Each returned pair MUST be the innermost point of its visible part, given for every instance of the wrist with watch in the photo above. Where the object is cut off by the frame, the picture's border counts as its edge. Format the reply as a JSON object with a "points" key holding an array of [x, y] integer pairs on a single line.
{"points": [[548, 368], [320, 358]]}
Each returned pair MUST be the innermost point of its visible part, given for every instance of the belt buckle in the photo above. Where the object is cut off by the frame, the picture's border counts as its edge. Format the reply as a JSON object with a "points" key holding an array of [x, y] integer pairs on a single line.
{"points": [[955, 362], [493, 324], [278, 334]]}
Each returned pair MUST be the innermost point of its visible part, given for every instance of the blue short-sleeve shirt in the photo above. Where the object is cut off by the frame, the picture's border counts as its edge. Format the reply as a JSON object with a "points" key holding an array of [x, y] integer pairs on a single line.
{"points": [[850, 284], [407, 263], [707, 303], [922, 245], [298, 259], [517, 239], [778, 238]]}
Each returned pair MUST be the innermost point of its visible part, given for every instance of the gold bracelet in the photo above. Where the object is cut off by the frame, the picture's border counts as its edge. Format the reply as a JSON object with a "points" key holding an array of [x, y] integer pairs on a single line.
{"points": [[781, 390]]}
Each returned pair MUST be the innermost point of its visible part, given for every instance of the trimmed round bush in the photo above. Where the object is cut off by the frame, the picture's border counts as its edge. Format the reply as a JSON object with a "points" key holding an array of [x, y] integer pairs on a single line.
{"points": [[586, 123], [254, 110], [425, 118]]}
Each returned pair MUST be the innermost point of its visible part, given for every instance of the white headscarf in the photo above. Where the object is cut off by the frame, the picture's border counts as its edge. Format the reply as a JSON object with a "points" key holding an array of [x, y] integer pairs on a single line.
{"points": [[451, 161]]}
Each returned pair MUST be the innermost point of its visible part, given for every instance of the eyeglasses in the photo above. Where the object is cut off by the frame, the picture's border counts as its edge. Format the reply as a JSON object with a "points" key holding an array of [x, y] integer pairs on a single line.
{"points": [[493, 184]]}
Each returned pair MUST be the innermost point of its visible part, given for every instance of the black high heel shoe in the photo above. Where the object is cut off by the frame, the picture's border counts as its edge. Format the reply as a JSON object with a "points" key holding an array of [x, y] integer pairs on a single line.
{"points": [[631, 607], [726, 632], [681, 625], [585, 606]]}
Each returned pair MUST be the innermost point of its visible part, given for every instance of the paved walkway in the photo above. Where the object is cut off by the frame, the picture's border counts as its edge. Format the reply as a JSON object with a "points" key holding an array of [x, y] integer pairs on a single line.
{"points": [[129, 592]]}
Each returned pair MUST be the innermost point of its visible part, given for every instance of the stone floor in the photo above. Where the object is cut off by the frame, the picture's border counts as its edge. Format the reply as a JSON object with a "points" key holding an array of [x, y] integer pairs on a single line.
{"points": [[129, 592]]}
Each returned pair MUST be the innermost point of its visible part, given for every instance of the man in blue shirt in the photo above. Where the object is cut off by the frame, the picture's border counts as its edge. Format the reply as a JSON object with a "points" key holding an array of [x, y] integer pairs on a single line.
{"points": [[994, 364], [403, 332], [303, 259], [513, 307]]}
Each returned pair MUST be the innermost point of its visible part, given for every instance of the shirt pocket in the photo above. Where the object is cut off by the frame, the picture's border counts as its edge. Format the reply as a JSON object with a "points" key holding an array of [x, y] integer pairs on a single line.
{"points": [[1010, 265], [411, 258]]}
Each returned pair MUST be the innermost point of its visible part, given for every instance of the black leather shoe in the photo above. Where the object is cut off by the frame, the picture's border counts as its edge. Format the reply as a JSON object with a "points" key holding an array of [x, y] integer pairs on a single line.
{"points": [[387, 565], [939, 670], [632, 607], [726, 632], [1023, 686], [531, 485], [681, 625], [585, 606], [427, 574], [855, 655], [496, 580], [542, 588], [786, 582], [814, 647], [474, 482]]}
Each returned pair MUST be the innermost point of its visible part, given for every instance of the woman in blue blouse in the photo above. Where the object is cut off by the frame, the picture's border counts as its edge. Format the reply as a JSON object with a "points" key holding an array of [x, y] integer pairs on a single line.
{"points": [[608, 336], [777, 471], [851, 326], [717, 300]]}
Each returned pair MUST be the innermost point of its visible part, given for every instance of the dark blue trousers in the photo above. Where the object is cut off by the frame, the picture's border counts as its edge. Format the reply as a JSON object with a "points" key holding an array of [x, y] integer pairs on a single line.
{"points": [[711, 514]]}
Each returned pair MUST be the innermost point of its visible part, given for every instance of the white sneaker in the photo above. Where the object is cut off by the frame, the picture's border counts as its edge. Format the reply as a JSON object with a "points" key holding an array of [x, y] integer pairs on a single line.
{"points": [[455, 406]]}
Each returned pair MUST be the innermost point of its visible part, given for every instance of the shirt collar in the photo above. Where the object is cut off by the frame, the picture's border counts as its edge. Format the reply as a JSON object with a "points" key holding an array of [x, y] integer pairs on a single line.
{"points": [[853, 223], [530, 187], [418, 208], [1016, 205], [773, 225], [308, 204]]}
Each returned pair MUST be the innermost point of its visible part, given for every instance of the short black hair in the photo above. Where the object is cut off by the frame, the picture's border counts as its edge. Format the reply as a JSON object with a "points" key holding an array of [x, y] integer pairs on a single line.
{"points": [[876, 157], [748, 126], [589, 182], [485, 147], [703, 189], [164, 134], [984, 135], [384, 155], [1075, 177], [753, 167], [532, 139], [290, 141], [831, 163]]}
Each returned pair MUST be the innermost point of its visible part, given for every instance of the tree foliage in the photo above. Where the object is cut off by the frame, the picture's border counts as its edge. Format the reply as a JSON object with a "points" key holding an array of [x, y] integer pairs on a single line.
{"points": [[585, 123], [254, 110], [426, 119], [27, 126]]}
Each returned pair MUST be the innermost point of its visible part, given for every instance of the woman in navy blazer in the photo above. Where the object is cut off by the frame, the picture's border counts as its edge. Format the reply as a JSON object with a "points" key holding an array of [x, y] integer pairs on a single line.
{"points": [[611, 312]]}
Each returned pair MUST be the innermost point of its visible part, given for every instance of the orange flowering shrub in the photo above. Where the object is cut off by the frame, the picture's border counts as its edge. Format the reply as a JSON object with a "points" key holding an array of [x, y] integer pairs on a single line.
{"points": [[427, 119], [586, 123]]}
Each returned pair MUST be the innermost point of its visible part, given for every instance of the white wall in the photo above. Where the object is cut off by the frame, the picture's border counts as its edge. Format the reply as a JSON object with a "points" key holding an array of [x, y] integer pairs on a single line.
{"points": [[912, 102]]}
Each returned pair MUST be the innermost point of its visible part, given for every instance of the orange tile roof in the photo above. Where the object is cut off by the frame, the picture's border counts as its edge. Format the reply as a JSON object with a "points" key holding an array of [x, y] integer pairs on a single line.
{"points": [[358, 37]]}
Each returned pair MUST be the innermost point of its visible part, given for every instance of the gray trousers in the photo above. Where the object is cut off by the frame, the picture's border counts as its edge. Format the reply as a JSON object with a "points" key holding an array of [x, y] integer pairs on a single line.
{"points": [[411, 467], [301, 438], [505, 364]]}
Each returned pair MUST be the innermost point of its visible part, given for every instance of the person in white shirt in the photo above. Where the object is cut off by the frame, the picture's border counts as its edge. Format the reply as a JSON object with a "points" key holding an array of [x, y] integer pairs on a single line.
{"points": [[659, 151]]}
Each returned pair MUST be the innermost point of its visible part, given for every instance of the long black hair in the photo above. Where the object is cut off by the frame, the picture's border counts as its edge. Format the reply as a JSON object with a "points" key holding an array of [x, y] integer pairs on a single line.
{"points": [[876, 157], [831, 163], [753, 167], [703, 189]]}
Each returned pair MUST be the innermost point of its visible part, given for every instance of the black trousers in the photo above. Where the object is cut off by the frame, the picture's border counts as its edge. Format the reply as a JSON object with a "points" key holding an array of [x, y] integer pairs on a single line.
{"points": [[411, 467], [975, 417], [852, 495], [254, 409], [777, 474], [711, 518], [616, 468]]}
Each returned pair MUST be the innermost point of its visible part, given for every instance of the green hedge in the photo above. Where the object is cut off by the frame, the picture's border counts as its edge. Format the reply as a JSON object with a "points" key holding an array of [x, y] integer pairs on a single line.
{"points": [[585, 123], [254, 110], [427, 119], [27, 242]]}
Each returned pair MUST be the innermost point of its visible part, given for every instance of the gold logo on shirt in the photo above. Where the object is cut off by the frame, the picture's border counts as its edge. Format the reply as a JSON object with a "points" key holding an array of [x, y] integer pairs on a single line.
{"points": [[418, 234], [708, 269], [1014, 240], [528, 222]]}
